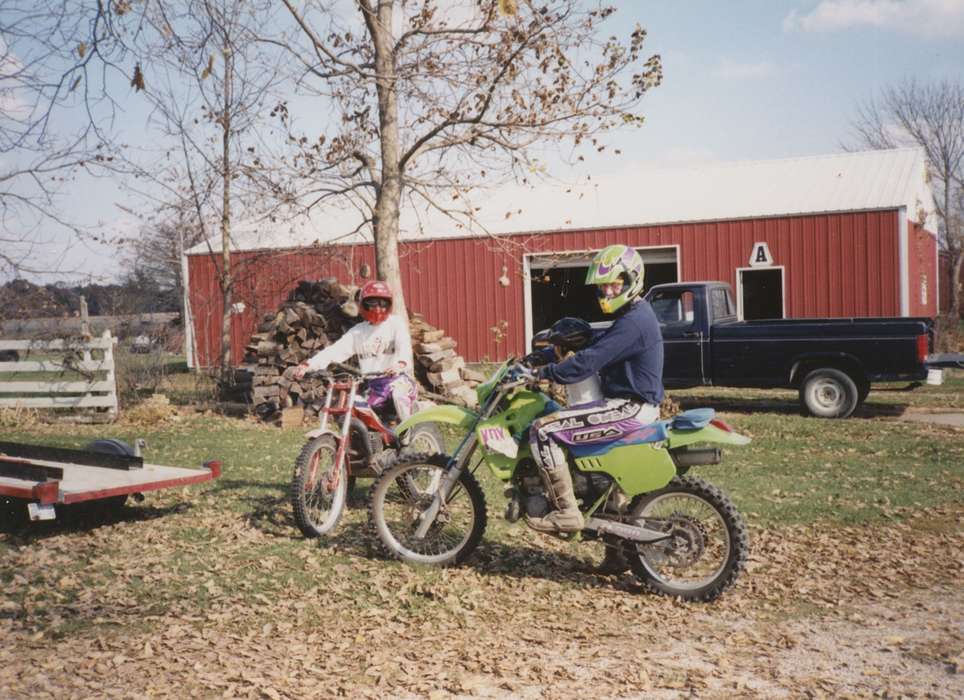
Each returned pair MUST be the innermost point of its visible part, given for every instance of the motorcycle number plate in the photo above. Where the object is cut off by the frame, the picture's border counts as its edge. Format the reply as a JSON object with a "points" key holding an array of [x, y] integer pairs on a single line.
{"points": [[498, 439]]}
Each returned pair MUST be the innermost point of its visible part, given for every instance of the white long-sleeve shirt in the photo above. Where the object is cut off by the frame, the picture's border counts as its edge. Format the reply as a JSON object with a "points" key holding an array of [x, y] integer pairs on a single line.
{"points": [[379, 347]]}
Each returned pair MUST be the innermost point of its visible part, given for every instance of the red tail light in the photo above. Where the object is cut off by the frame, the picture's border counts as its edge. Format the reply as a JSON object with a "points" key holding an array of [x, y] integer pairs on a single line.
{"points": [[922, 348], [721, 424]]}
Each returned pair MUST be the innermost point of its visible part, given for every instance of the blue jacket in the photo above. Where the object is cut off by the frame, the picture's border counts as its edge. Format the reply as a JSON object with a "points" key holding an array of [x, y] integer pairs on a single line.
{"points": [[628, 357]]}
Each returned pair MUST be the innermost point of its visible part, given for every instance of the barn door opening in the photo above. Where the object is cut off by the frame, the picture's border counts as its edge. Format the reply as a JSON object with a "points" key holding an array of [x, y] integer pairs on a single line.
{"points": [[759, 293], [556, 284]]}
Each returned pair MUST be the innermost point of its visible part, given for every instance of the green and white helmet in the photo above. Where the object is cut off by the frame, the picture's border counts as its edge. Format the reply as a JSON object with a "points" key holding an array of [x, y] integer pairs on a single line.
{"points": [[612, 263]]}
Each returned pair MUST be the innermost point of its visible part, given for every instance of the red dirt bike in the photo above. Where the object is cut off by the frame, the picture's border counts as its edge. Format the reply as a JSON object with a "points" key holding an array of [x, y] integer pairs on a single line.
{"points": [[352, 440]]}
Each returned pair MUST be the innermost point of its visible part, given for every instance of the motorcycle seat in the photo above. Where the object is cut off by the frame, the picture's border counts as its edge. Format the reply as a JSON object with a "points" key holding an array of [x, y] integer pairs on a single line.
{"points": [[694, 419]]}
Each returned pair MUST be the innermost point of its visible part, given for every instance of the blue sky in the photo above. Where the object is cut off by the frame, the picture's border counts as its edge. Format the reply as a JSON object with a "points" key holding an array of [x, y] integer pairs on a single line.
{"points": [[746, 79], [768, 79]]}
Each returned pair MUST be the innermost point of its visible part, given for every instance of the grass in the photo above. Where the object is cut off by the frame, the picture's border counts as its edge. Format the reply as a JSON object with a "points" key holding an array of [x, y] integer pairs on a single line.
{"points": [[797, 469], [237, 534]]}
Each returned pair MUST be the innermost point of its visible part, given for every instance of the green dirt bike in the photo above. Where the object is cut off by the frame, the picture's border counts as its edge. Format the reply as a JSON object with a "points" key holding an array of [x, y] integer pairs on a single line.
{"points": [[680, 535]]}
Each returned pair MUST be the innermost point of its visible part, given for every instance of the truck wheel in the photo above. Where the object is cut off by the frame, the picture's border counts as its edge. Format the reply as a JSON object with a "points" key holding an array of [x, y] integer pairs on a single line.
{"points": [[829, 393]]}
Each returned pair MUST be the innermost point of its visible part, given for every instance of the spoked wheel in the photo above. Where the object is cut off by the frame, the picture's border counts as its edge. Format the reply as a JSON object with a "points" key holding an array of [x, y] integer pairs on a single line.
{"points": [[404, 493], [707, 545], [318, 489], [425, 438]]}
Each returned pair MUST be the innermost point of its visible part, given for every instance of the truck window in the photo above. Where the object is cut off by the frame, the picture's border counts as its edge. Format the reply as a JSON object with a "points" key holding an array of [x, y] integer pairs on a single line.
{"points": [[673, 308], [721, 305]]}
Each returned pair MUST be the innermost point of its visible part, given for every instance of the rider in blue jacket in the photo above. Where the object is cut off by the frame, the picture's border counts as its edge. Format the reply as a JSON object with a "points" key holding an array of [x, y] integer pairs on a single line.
{"points": [[629, 360]]}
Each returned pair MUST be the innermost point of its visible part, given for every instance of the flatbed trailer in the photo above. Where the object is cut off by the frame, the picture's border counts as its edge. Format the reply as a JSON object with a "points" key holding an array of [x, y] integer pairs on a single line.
{"points": [[45, 477]]}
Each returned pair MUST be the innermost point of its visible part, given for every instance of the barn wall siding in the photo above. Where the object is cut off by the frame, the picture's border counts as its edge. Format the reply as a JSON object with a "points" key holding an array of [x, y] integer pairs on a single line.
{"points": [[922, 271], [836, 265]]}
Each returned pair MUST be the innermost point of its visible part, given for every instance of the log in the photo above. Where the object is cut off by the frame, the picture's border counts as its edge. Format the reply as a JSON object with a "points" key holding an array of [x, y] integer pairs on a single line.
{"points": [[470, 375], [447, 364], [466, 395], [448, 377], [266, 347], [438, 346], [292, 417], [261, 393], [434, 357], [430, 336]]}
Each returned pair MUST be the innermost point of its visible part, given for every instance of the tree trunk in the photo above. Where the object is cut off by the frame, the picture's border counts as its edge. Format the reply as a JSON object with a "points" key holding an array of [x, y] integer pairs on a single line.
{"points": [[389, 191], [227, 282]]}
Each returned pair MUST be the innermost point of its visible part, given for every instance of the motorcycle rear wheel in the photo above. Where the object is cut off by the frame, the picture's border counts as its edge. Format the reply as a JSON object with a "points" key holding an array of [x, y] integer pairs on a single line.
{"points": [[317, 492], [709, 545], [402, 494]]}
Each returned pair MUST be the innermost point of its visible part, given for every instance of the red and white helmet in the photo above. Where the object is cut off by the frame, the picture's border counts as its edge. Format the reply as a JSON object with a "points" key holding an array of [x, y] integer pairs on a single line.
{"points": [[375, 299]]}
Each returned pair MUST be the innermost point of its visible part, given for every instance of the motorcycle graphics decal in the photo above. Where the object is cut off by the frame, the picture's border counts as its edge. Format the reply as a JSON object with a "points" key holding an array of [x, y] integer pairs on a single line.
{"points": [[605, 422], [568, 423], [627, 410], [595, 435], [499, 440]]}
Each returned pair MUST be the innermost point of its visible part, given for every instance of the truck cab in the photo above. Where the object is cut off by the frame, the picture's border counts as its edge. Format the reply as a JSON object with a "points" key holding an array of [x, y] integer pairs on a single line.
{"points": [[686, 314]]}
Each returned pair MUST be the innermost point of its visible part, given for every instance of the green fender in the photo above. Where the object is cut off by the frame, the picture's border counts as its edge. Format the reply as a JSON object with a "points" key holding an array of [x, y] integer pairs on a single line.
{"points": [[455, 415], [709, 433]]}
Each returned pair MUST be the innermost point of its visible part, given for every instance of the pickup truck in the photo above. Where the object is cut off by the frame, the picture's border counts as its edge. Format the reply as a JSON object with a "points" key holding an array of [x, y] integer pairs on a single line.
{"points": [[830, 361]]}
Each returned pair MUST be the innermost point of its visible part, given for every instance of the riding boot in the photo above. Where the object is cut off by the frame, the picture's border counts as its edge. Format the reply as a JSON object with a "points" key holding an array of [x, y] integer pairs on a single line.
{"points": [[566, 517]]}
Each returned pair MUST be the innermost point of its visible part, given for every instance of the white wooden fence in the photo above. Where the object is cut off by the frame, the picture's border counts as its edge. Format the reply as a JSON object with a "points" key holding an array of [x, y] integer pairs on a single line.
{"points": [[85, 381]]}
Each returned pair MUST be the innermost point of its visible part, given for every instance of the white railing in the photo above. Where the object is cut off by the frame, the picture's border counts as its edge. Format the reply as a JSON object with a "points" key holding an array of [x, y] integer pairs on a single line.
{"points": [[86, 376]]}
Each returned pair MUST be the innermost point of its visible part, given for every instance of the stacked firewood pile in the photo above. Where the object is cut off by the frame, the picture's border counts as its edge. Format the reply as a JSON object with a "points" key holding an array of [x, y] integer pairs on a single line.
{"points": [[315, 315], [438, 367]]}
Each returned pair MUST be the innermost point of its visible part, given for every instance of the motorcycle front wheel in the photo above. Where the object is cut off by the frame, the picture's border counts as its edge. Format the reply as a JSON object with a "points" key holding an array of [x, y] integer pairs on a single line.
{"points": [[707, 544], [318, 490], [425, 438], [402, 495]]}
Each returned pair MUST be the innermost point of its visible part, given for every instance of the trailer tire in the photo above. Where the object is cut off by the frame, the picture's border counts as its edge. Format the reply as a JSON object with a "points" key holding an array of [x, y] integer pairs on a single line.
{"points": [[112, 447], [829, 393]]}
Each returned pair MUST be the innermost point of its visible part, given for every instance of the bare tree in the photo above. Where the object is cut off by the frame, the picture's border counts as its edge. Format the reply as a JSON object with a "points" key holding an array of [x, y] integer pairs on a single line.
{"points": [[157, 252], [58, 60], [430, 100], [930, 116], [209, 84]]}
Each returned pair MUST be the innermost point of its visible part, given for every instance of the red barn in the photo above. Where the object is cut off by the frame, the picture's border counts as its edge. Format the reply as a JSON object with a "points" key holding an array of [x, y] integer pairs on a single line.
{"points": [[842, 235]]}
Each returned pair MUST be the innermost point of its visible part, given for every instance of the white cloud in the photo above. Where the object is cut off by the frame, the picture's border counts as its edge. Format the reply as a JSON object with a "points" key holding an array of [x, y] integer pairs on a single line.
{"points": [[12, 103], [729, 69], [931, 18]]}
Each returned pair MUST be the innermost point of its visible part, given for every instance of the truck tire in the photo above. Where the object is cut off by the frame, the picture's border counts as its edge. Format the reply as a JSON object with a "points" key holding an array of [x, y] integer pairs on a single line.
{"points": [[829, 393]]}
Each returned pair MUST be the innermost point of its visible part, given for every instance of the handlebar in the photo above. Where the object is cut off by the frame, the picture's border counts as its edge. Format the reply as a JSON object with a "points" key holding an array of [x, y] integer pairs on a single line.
{"points": [[342, 369], [519, 375]]}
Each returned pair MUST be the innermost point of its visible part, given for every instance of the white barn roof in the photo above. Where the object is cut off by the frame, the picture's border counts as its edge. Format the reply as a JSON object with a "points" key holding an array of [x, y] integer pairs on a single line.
{"points": [[867, 180]]}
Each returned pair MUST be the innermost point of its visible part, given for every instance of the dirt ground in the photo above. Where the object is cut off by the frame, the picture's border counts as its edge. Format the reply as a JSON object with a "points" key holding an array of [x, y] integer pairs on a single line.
{"points": [[821, 613]]}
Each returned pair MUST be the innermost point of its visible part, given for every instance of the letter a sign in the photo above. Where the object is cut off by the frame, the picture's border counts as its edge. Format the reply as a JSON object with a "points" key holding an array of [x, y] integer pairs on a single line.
{"points": [[760, 256]]}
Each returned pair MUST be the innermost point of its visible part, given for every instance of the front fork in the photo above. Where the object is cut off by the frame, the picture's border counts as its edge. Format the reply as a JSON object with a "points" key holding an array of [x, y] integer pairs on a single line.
{"points": [[343, 438], [460, 460], [450, 478]]}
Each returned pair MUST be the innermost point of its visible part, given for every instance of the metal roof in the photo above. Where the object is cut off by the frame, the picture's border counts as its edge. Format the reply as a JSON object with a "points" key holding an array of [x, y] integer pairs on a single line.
{"points": [[860, 181]]}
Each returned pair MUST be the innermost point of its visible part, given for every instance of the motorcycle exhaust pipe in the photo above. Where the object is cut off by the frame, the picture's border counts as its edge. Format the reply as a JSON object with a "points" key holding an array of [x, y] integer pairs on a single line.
{"points": [[694, 457]]}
